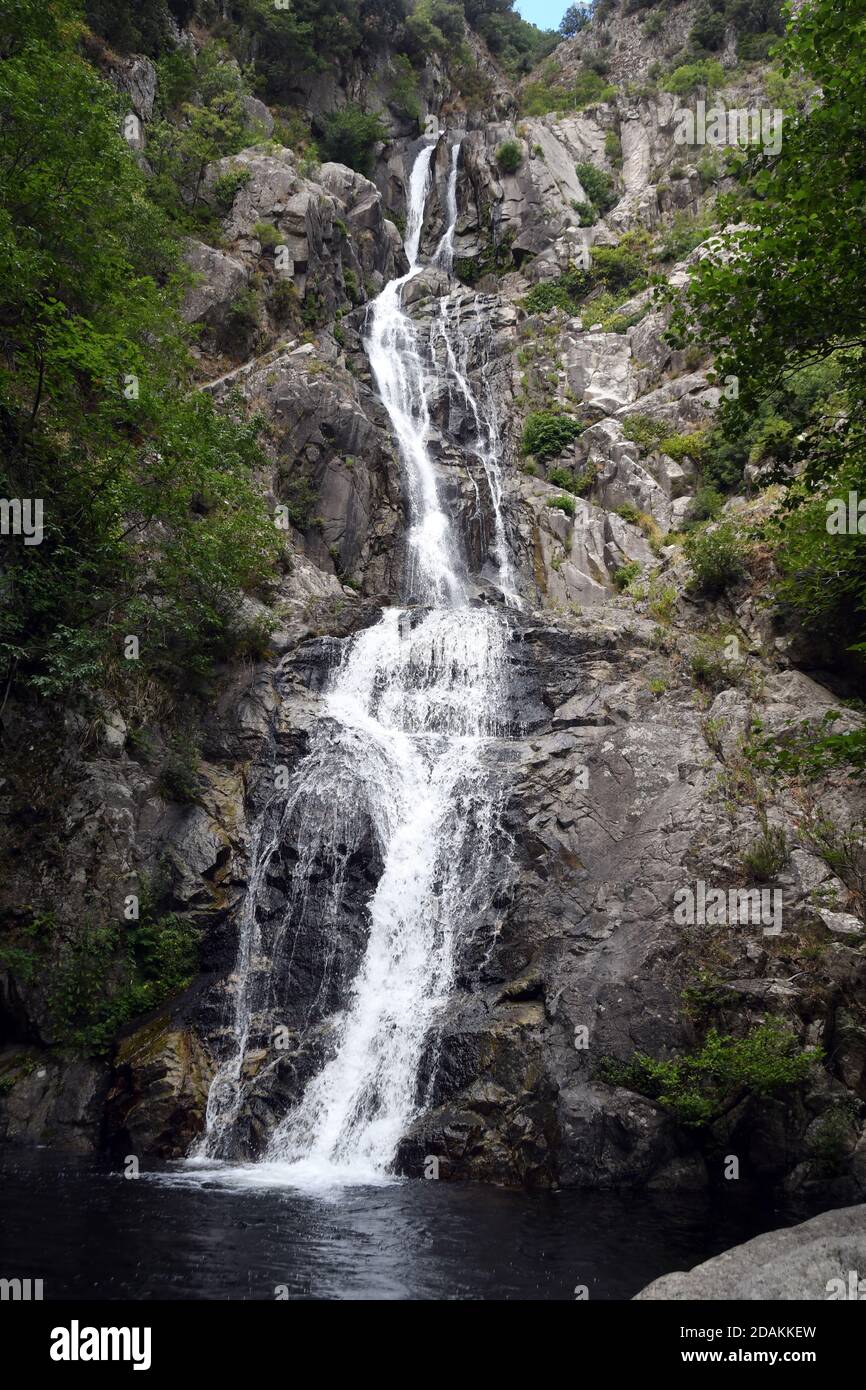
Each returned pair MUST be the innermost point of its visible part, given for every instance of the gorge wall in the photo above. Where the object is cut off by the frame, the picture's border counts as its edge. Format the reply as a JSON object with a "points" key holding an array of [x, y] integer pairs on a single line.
{"points": [[623, 743]]}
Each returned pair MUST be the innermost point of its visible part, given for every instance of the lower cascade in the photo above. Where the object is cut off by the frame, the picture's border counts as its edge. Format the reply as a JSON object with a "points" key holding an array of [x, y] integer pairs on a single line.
{"points": [[402, 745]]}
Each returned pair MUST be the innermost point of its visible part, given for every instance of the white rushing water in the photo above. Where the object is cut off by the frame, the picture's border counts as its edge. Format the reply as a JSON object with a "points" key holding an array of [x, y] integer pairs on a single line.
{"points": [[407, 721]]}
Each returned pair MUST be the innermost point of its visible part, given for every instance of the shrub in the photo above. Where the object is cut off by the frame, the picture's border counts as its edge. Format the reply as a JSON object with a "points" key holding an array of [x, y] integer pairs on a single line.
{"points": [[681, 446], [597, 184], [645, 430], [612, 149], [831, 1141], [708, 169], [267, 234], [587, 213], [695, 355], [697, 1088], [716, 556], [626, 574], [683, 235], [564, 504], [404, 96], [709, 666], [578, 483], [283, 299], [755, 47], [563, 292], [349, 137], [547, 432], [705, 505], [629, 512], [708, 30], [509, 156], [691, 77], [104, 977], [561, 477], [353, 289], [242, 318], [178, 779], [574, 19], [596, 62], [540, 98], [662, 600], [155, 521], [768, 855], [622, 268], [226, 188]]}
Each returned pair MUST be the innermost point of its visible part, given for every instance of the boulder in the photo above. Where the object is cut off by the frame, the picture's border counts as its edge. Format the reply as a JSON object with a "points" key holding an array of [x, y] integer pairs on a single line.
{"points": [[811, 1262]]}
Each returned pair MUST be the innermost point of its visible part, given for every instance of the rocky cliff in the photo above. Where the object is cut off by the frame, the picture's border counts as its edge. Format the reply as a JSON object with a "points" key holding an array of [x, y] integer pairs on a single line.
{"points": [[634, 700]]}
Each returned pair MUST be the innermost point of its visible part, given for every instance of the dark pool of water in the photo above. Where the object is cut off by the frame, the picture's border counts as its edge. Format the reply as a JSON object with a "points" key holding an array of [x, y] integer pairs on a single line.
{"points": [[90, 1233]]}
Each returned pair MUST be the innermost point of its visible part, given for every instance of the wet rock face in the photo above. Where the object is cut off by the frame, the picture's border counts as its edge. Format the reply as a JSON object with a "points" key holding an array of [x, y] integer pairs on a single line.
{"points": [[51, 1102], [158, 1096]]}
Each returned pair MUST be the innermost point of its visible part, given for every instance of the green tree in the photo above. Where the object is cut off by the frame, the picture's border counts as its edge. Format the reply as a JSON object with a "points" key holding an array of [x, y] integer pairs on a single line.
{"points": [[787, 291], [209, 124], [152, 522], [574, 19], [349, 137]]}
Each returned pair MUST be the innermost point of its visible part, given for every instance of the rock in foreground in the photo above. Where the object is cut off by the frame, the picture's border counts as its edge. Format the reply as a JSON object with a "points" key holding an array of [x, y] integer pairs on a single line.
{"points": [[812, 1261]]}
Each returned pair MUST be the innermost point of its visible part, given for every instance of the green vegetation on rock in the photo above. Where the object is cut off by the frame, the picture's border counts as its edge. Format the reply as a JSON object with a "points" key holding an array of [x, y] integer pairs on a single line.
{"points": [[547, 432], [698, 1088]]}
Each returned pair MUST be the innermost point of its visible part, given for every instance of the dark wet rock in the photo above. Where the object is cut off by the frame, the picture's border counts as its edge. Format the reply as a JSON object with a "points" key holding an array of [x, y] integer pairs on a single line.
{"points": [[156, 1105]]}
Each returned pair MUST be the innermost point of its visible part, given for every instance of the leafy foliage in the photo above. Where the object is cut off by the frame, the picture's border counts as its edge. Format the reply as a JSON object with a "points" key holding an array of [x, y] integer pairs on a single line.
{"points": [[152, 522], [644, 430], [626, 574], [349, 136], [704, 75], [788, 296], [598, 186], [98, 977], [575, 18], [563, 292], [622, 268], [700, 1087], [547, 95], [517, 44], [509, 156], [203, 120], [547, 432], [716, 556]]}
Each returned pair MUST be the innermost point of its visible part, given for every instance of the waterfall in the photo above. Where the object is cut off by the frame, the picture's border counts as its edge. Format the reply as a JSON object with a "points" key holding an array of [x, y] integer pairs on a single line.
{"points": [[404, 745], [456, 338], [445, 250], [401, 376]]}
